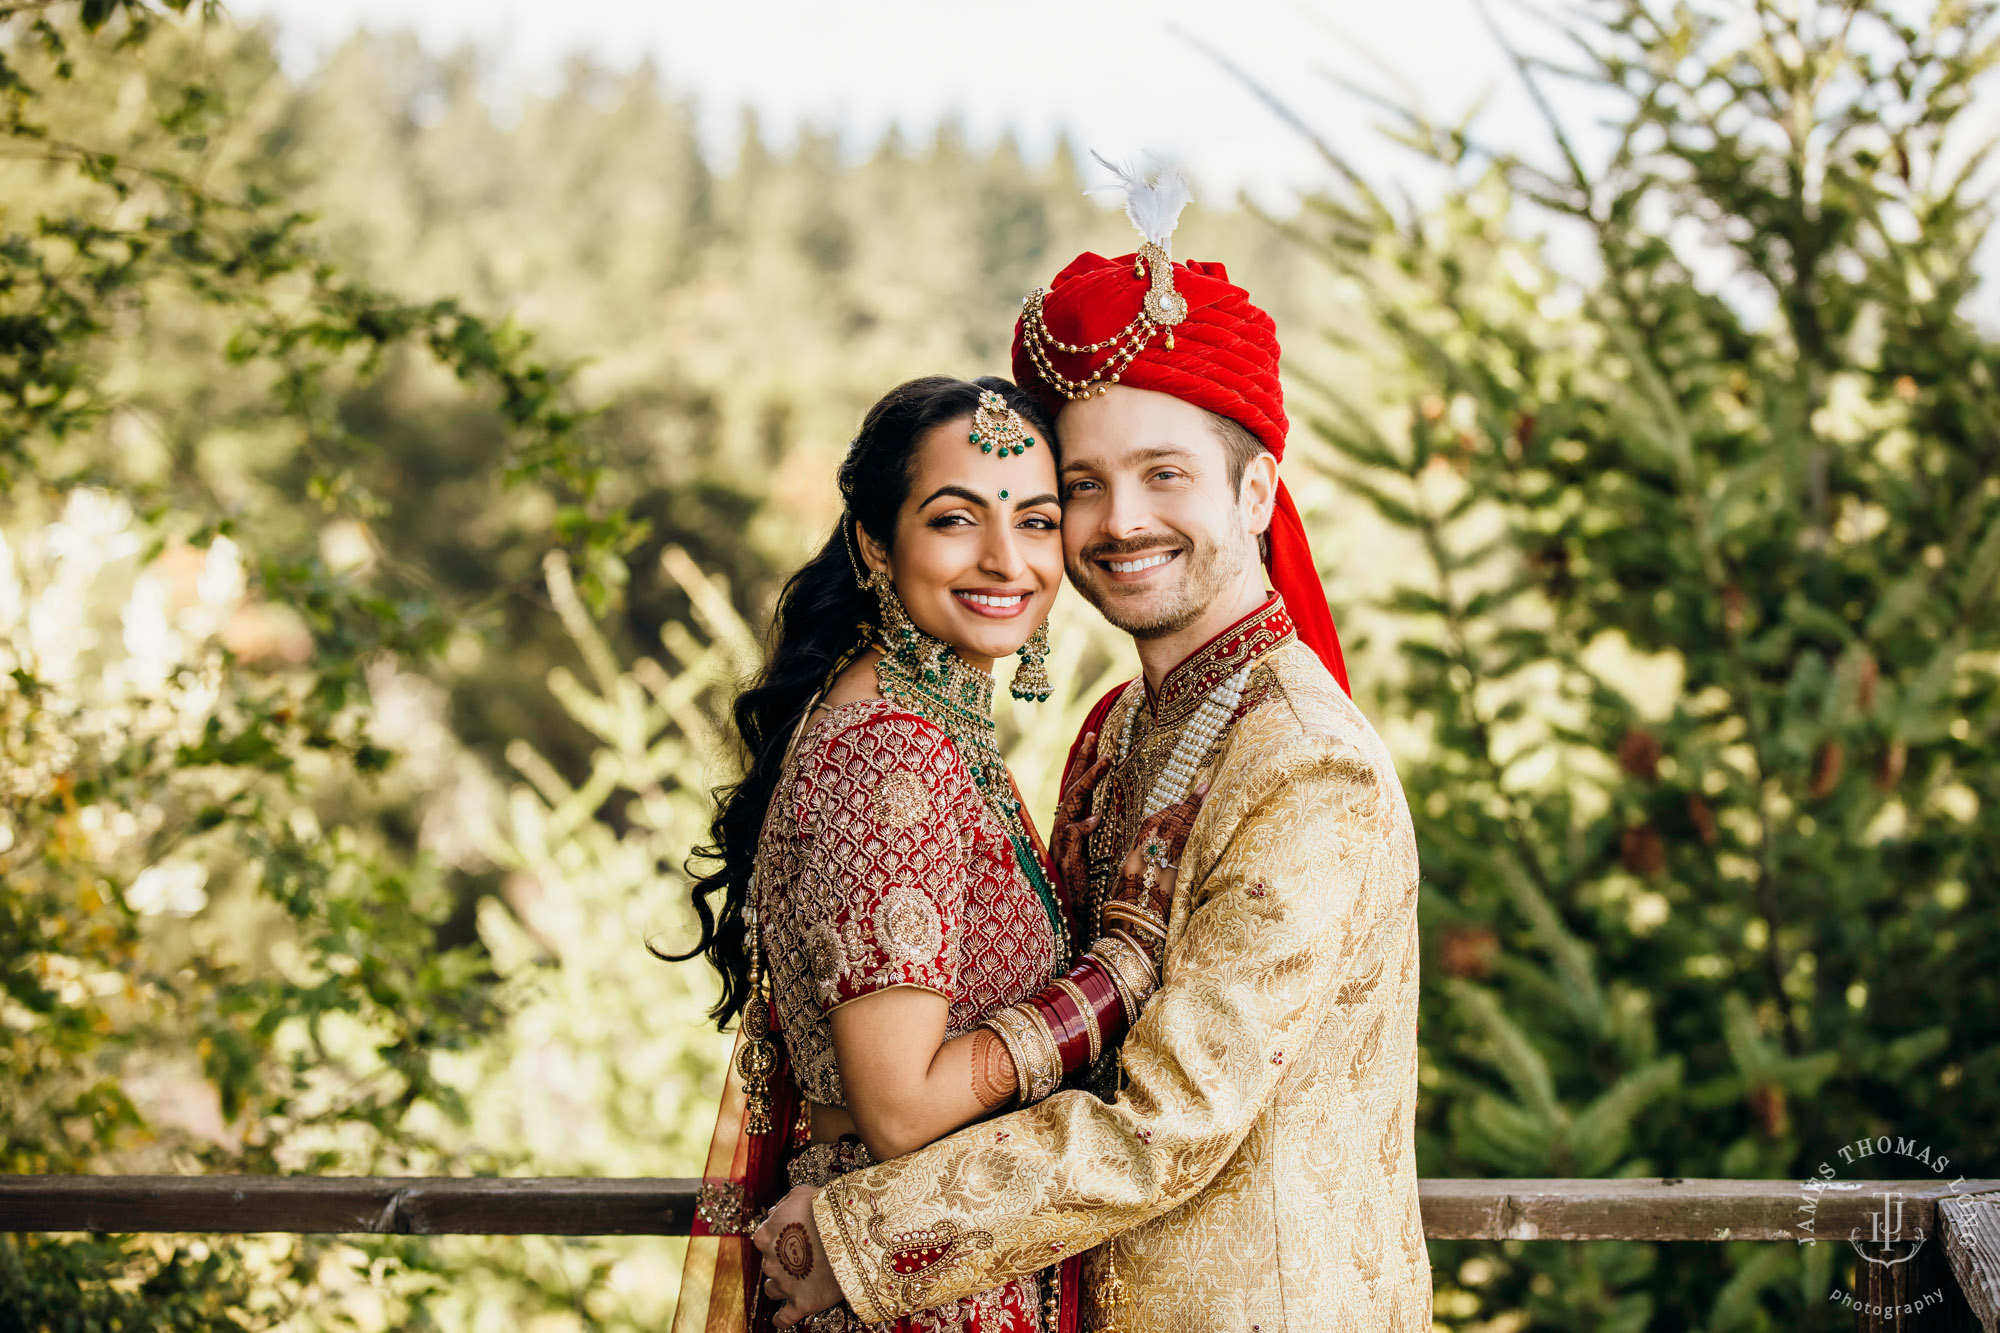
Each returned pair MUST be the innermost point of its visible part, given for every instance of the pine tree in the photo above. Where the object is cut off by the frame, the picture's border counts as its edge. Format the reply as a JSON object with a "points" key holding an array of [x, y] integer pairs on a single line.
{"points": [[1692, 449]]}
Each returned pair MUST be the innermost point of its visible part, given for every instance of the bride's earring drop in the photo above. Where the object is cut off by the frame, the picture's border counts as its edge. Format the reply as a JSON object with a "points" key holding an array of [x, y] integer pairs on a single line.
{"points": [[1031, 681], [901, 639]]}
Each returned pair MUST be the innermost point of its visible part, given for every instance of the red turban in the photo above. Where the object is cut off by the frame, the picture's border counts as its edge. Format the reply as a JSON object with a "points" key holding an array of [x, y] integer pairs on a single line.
{"points": [[1224, 358]]}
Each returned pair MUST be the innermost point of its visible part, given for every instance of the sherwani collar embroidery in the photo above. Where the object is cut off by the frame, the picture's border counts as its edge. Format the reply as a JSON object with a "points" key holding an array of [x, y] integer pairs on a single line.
{"points": [[1183, 688]]}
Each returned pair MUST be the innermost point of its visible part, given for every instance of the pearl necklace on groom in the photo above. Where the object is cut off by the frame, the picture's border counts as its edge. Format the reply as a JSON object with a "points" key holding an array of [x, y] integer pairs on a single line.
{"points": [[1176, 780]]}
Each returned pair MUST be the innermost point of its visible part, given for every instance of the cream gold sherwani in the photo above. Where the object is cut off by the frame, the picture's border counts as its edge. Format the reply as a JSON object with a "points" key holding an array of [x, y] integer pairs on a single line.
{"points": [[1256, 1172]]}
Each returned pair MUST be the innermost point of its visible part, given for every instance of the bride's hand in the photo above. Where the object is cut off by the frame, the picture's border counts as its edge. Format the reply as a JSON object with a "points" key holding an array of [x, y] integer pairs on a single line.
{"points": [[1146, 880], [797, 1276], [1074, 823]]}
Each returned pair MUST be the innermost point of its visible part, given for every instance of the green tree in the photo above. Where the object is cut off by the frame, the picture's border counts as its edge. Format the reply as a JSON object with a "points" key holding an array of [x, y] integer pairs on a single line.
{"points": [[1694, 461], [728, 327], [182, 706]]}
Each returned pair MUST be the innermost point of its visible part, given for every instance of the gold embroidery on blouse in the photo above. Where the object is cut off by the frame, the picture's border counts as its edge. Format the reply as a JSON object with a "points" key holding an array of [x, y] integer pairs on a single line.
{"points": [[901, 801], [911, 927]]}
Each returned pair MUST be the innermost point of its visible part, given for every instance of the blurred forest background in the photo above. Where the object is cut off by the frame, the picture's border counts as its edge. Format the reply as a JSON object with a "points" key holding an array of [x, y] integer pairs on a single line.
{"points": [[391, 491]]}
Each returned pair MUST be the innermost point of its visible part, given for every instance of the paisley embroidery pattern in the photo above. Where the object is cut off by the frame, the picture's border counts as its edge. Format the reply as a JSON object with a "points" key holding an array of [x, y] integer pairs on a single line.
{"points": [[914, 1253]]}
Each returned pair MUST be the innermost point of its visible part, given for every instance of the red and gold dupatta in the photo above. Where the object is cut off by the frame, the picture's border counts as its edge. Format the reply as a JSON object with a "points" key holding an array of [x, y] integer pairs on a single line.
{"points": [[721, 1291]]}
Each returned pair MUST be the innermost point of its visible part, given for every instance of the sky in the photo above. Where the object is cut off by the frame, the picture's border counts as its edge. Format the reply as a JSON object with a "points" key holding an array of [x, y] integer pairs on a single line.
{"points": [[1125, 78], [1131, 79]]}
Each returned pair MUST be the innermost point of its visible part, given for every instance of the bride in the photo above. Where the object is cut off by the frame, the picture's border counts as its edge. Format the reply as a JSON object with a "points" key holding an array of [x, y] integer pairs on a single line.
{"points": [[890, 930]]}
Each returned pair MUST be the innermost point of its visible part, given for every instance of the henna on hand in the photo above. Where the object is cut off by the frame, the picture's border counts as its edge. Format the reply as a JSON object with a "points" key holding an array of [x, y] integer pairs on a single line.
{"points": [[1074, 823], [789, 1245], [1168, 832], [794, 1251], [994, 1078]]}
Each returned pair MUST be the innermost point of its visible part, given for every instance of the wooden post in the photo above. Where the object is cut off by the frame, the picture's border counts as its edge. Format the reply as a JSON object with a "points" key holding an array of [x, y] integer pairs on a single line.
{"points": [[1970, 1227], [1919, 1296], [1936, 1288]]}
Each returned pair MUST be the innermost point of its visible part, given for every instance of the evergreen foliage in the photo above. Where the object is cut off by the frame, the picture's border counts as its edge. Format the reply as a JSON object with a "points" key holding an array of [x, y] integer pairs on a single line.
{"points": [[1702, 526], [183, 720]]}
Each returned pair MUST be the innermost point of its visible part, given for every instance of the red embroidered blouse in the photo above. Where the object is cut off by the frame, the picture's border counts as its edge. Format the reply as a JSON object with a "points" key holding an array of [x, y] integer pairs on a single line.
{"points": [[881, 865]]}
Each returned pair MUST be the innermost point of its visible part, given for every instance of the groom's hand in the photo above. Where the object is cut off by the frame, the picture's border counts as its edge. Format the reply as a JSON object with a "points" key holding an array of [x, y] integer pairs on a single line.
{"points": [[796, 1273], [1146, 880], [1074, 823]]}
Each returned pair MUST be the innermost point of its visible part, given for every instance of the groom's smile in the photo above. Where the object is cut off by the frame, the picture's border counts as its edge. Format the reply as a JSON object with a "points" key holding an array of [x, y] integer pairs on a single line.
{"points": [[1133, 565], [1132, 569]]}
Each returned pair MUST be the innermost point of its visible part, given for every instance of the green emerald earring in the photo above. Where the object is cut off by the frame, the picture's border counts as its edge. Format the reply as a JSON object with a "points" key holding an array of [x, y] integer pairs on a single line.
{"points": [[1031, 680], [899, 633]]}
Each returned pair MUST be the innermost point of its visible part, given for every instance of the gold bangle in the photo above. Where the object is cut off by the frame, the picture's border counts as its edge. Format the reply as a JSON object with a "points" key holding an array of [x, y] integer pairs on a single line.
{"points": [[1145, 977], [1048, 1067], [1120, 907], [1127, 1001], [1039, 1056], [1144, 922], [1131, 967], [1082, 1002], [1148, 979], [1011, 1042]]}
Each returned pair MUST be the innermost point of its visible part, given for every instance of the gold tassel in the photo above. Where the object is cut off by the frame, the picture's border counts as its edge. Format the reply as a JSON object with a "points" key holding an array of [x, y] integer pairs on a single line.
{"points": [[758, 1059], [1110, 1293]]}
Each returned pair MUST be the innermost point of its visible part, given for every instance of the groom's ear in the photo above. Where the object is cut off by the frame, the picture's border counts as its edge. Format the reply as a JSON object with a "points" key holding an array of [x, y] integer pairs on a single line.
{"points": [[1257, 493]]}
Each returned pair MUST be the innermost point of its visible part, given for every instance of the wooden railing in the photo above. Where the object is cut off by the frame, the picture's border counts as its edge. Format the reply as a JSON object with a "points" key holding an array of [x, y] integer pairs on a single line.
{"points": [[1951, 1284]]}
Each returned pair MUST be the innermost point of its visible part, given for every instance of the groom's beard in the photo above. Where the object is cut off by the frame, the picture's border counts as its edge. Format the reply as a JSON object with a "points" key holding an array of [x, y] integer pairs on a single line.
{"points": [[1201, 574]]}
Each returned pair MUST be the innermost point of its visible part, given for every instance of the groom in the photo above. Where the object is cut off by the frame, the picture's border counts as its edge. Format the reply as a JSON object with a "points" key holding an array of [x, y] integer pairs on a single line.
{"points": [[1245, 1163]]}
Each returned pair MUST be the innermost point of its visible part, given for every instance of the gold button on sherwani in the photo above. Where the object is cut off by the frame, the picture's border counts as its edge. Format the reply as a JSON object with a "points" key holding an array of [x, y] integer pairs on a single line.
{"points": [[1253, 1164]]}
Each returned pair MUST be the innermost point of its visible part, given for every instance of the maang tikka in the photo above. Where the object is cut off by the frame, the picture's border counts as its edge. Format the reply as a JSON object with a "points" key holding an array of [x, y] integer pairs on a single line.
{"points": [[996, 425]]}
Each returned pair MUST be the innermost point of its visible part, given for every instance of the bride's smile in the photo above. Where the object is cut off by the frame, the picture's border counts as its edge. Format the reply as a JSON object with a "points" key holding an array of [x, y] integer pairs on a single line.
{"points": [[999, 603]]}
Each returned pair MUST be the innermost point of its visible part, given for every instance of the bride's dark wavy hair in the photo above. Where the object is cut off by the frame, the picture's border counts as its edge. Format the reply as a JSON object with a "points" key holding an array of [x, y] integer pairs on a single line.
{"points": [[819, 622]]}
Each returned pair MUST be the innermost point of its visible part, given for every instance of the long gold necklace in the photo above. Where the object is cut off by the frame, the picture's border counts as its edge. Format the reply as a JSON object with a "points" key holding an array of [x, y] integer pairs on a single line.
{"points": [[927, 677]]}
